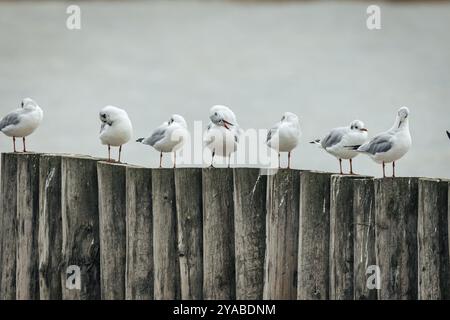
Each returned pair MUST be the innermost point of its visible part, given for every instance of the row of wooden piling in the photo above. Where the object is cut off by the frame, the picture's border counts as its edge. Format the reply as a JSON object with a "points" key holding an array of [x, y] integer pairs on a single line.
{"points": [[193, 233]]}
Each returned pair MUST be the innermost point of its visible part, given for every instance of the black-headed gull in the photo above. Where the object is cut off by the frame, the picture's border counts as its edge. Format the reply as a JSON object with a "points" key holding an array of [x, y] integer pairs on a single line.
{"points": [[284, 135], [116, 129], [222, 134], [22, 122], [337, 140], [391, 145], [168, 137]]}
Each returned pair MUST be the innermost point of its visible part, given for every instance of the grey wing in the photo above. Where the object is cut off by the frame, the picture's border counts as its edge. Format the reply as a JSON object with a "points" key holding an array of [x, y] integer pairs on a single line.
{"points": [[378, 144], [156, 136], [334, 137], [272, 132], [12, 118]]}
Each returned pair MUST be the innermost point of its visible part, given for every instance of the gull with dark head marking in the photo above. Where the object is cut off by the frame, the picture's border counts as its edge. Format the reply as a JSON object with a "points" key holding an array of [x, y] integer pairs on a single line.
{"points": [[284, 135], [168, 137], [22, 122], [391, 145], [222, 134], [116, 129], [337, 140]]}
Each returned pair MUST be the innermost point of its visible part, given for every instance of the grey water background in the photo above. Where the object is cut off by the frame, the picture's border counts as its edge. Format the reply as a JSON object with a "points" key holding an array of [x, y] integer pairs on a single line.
{"points": [[155, 58]]}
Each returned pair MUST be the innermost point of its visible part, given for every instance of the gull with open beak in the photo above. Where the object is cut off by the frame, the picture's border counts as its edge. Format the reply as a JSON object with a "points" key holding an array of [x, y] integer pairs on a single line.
{"points": [[337, 140], [222, 134]]}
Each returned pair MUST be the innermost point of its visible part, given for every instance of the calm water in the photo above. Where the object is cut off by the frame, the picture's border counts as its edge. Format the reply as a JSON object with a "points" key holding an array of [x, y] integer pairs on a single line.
{"points": [[316, 59]]}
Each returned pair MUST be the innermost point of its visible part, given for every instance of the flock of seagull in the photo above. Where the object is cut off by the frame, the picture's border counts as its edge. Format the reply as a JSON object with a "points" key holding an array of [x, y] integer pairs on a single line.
{"points": [[223, 132]]}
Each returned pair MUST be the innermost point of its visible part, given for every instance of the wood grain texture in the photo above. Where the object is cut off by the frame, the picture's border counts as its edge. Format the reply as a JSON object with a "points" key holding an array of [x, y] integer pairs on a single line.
{"points": [[50, 227], [167, 269], [364, 236], [433, 248], [189, 207], [27, 270], [396, 211], [80, 226], [218, 234], [250, 232], [139, 229], [314, 236], [8, 226], [282, 223], [112, 213]]}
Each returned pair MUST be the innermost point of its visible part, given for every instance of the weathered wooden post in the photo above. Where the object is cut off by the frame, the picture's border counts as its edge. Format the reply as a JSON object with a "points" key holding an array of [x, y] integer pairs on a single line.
{"points": [[8, 222], [342, 230], [80, 228], [314, 236], [250, 232], [282, 222], [112, 211], [218, 234], [432, 232], [188, 190], [27, 269], [167, 270], [396, 202], [139, 230], [364, 237], [50, 228]]}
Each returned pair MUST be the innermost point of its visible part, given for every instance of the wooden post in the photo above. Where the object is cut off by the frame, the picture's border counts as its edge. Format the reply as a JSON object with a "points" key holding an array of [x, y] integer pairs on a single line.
{"points": [[139, 230], [396, 237], [188, 191], [250, 232], [112, 213], [80, 230], [167, 270], [314, 236], [342, 237], [218, 234], [27, 270], [364, 237], [50, 229], [282, 222], [8, 222], [432, 229]]}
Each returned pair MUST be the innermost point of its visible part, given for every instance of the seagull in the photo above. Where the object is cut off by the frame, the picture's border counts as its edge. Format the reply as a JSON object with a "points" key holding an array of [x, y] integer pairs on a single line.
{"points": [[168, 137], [391, 145], [284, 135], [222, 134], [22, 122], [116, 129], [337, 140]]}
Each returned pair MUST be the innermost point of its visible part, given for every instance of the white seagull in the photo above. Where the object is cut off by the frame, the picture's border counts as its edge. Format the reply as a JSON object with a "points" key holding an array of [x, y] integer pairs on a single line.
{"points": [[168, 137], [337, 140], [284, 135], [22, 122], [391, 145], [116, 129], [222, 134]]}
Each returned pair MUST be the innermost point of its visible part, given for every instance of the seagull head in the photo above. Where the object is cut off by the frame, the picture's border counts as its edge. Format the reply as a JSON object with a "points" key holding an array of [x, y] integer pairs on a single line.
{"points": [[289, 117], [402, 116], [222, 116], [28, 103], [109, 114], [176, 118], [357, 125]]}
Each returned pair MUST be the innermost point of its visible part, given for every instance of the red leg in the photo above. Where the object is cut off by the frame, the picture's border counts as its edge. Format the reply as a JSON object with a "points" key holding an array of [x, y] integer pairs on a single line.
{"points": [[175, 159], [24, 146], [384, 172], [120, 151], [279, 164], [14, 144], [229, 160], [212, 159], [289, 160], [160, 159], [340, 166], [351, 166], [393, 169], [109, 153]]}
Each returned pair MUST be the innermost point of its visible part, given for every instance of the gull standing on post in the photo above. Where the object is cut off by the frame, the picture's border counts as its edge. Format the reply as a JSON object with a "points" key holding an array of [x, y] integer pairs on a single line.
{"points": [[284, 135], [391, 145], [22, 122], [116, 129], [222, 134], [337, 140], [168, 137]]}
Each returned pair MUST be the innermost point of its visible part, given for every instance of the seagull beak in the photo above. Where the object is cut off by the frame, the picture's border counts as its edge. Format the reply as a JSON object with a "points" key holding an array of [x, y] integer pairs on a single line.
{"points": [[364, 129], [227, 124]]}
